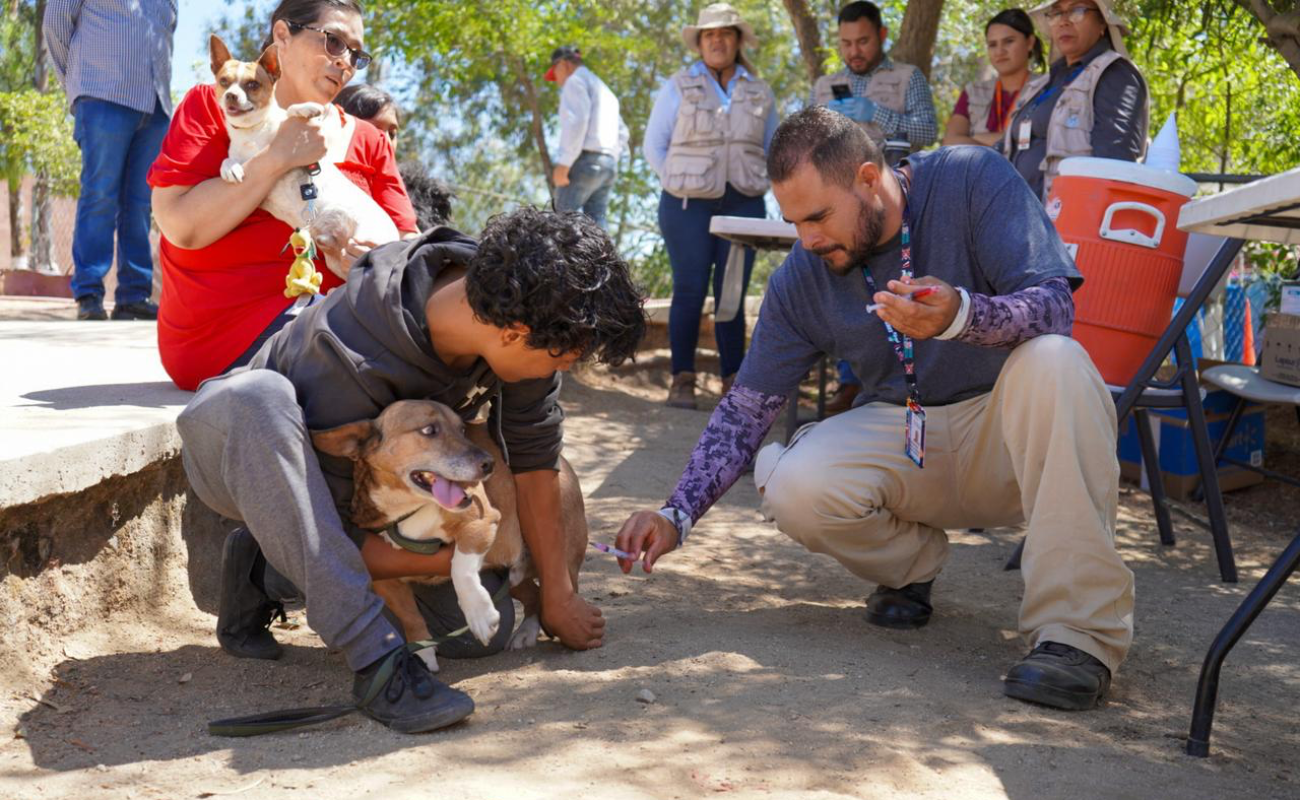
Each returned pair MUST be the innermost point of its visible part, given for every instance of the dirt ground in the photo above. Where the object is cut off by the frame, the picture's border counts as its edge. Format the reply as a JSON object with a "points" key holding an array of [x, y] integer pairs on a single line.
{"points": [[767, 680]]}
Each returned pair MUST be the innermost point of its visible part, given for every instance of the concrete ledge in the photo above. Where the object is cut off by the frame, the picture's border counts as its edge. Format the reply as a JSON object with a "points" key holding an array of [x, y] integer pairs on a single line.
{"points": [[82, 402]]}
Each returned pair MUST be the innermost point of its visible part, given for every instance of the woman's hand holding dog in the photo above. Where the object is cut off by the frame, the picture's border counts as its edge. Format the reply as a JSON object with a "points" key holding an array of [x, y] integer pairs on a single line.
{"points": [[348, 255], [298, 143], [648, 532]]}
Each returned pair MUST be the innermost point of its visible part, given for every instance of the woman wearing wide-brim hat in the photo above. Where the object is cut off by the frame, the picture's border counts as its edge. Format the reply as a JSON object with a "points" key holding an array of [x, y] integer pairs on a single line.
{"points": [[707, 139], [1092, 102]]}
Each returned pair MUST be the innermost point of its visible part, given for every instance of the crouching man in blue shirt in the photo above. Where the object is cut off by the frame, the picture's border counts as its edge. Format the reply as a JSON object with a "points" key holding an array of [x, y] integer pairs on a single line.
{"points": [[977, 409]]}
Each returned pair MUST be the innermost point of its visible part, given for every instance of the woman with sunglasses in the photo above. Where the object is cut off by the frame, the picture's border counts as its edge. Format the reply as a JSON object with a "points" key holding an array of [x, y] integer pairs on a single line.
{"points": [[1092, 101], [983, 111], [223, 258]]}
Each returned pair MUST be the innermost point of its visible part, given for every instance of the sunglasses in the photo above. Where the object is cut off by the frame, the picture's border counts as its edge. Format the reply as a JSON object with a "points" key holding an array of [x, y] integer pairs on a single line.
{"points": [[1074, 15], [336, 47]]}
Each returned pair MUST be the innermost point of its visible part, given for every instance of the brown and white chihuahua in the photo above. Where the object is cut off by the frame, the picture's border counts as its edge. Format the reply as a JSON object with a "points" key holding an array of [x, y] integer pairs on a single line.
{"points": [[246, 91], [419, 464]]}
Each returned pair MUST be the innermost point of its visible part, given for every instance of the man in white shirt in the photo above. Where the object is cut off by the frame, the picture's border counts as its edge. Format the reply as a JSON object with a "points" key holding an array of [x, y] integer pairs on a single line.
{"points": [[592, 137]]}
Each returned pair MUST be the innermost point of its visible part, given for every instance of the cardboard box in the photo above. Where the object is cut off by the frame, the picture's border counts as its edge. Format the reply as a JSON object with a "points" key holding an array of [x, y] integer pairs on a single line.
{"points": [[1290, 298], [1177, 454], [1280, 360]]}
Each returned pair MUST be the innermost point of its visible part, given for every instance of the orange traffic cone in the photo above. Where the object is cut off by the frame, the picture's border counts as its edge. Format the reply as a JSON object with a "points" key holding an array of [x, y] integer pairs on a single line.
{"points": [[1248, 339]]}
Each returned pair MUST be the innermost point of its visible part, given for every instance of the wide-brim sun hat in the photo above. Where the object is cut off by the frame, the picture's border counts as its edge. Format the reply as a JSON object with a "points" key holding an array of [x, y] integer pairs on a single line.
{"points": [[719, 15], [1115, 26]]}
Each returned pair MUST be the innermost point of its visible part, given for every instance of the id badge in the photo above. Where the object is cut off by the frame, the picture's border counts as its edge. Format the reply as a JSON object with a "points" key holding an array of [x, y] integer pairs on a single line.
{"points": [[1026, 131], [914, 445]]}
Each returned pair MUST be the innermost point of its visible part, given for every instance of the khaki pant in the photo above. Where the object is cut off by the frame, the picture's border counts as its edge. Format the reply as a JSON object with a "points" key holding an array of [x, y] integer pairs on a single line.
{"points": [[1039, 447]]}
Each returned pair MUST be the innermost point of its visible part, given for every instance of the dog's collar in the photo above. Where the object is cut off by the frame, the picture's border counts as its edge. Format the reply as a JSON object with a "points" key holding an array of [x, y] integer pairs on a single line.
{"points": [[424, 547]]}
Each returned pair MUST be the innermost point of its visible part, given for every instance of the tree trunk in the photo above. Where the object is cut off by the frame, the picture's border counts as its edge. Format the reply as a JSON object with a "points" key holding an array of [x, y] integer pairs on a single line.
{"points": [[42, 258], [42, 202], [914, 43], [809, 35], [16, 249], [1283, 29], [536, 125]]}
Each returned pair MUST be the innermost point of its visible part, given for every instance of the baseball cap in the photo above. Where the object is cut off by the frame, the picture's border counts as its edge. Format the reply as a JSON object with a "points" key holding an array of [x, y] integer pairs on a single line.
{"points": [[568, 51]]}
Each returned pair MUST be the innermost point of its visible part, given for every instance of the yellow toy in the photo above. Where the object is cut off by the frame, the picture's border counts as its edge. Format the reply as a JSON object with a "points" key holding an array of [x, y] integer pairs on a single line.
{"points": [[303, 277]]}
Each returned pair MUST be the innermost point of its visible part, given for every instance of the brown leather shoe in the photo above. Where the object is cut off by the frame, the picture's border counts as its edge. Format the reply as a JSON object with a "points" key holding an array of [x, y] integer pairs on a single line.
{"points": [[682, 393], [843, 398], [728, 382]]}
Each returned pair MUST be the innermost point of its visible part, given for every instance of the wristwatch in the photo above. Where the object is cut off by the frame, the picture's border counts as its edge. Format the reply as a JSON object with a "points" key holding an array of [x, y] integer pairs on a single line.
{"points": [[680, 520]]}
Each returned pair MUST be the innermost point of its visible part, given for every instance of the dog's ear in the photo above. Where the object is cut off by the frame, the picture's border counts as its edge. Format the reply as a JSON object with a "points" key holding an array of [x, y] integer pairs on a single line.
{"points": [[270, 61], [220, 53], [345, 441]]}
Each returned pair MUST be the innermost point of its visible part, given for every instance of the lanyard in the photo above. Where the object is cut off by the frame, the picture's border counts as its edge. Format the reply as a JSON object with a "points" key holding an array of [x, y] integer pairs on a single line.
{"points": [[1069, 79], [999, 110], [902, 344]]}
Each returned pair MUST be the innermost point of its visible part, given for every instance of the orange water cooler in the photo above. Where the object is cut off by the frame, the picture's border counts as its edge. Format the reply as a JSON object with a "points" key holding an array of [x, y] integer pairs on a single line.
{"points": [[1119, 220]]}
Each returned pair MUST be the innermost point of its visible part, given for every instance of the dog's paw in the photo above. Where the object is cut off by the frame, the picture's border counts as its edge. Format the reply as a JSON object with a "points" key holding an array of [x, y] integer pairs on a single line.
{"points": [[232, 171], [429, 658], [483, 619], [526, 635], [306, 110]]}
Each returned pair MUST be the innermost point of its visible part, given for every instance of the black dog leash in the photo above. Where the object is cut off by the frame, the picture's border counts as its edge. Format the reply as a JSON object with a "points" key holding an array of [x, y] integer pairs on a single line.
{"points": [[290, 718]]}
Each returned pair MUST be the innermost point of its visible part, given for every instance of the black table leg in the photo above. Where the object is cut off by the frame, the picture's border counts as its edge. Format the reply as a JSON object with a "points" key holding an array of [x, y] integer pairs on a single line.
{"points": [[1207, 688]]}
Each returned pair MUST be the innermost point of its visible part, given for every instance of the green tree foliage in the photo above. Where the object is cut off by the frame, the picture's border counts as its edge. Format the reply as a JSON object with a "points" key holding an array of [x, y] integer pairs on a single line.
{"points": [[469, 76], [36, 138]]}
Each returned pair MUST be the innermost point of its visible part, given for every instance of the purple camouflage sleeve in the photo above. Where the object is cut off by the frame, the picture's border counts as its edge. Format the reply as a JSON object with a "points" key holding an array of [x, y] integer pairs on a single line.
{"points": [[727, 445], [1009, 320]]}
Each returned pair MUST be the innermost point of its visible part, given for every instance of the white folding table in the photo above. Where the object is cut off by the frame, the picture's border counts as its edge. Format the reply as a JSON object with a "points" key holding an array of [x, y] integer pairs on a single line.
{"points": [[752, 234], [1264, 210]]}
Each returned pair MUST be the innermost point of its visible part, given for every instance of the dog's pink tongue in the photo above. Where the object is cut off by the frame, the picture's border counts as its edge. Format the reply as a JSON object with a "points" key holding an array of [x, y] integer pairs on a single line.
{"points": [[448, 494]]}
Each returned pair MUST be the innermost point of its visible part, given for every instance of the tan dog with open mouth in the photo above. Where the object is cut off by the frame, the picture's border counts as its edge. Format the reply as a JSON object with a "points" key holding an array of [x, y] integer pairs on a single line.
{"points": [[420, 468], [343, 210]]}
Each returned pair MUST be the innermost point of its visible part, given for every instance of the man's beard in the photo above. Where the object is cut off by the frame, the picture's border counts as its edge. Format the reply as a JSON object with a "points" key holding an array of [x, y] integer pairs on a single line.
{"points": [[869, 65], [871, 224]]}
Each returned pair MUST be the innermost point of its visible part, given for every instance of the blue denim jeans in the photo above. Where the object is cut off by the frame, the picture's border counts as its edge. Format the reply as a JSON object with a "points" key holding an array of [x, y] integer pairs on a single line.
{"points": [[591, 179], [118, 145], [695, 254]]}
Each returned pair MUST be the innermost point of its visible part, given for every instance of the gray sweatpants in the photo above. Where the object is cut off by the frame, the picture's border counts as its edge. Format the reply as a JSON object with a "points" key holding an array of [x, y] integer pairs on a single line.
{"points": [[248, 456]]}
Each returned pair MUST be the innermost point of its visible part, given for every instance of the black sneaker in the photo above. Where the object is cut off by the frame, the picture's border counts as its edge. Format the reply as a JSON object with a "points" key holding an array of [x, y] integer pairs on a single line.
{"points": [[139, 310], [399, 691], [245, 612], [91, 307], [1058, 675], [906, 608]]}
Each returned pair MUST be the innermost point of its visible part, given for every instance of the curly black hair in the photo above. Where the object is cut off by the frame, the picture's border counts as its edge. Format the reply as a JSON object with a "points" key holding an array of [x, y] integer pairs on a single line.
{"points": [[430, 196], [559, 275]]}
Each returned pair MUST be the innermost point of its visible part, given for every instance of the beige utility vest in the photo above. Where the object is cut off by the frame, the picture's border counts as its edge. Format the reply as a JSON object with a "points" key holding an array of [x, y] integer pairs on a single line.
{"points": [[714, 146], [979, 101], [1069, 132], [887, 88]]}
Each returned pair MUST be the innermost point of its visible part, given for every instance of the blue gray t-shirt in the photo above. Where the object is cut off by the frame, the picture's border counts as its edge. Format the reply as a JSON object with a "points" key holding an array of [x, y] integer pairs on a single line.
{"points": [[974, 224]]}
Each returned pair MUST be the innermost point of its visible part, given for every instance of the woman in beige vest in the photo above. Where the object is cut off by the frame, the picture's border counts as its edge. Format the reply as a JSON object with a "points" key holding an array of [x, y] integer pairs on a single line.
{"points": [[984, 108], [707, 139], [1092, 102]]}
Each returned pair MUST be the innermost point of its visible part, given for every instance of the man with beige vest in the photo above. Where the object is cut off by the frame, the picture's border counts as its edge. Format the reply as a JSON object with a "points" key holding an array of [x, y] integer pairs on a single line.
{"points": [[1092, 102], [888, 99]]}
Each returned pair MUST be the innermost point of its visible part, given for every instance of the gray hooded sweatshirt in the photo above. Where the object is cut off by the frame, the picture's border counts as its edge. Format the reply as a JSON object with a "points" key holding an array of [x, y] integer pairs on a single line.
{"points": [[367, 345]]}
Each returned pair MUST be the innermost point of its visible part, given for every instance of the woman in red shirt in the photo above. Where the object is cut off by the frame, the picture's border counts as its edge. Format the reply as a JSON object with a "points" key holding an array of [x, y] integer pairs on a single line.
{"points": [[984, 108], [224, 258]]}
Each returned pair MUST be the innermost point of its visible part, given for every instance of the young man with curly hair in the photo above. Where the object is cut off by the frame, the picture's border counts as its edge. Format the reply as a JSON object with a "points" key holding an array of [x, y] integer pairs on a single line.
{"points": [[442, 318]]}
